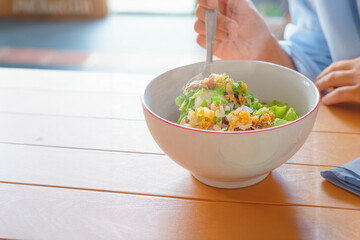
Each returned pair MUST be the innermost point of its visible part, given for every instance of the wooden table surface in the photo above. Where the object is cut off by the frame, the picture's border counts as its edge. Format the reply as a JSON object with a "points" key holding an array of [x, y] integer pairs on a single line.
{"points": [[78, 162]]}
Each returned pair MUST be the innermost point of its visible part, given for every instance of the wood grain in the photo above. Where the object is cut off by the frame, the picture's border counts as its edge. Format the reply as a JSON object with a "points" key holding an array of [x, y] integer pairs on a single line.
{"points": [[47, 92], [105, 134], [56, 80], [77, 161], [328, 149], [160, 176], [28, 212], [342, 118], [71, 103]]}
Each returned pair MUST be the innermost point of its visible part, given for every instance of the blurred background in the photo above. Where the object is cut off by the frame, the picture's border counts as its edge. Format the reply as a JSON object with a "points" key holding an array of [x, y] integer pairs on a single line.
{"points": [[137, 36]]}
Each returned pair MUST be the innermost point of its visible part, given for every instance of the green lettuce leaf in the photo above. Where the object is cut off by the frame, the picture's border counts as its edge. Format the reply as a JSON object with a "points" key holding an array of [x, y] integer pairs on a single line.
{"points": [[219, 90], [283, 113], [179, 100], [290, 115], [189, 104], [279, 122], [279, 111], [189, 98]]}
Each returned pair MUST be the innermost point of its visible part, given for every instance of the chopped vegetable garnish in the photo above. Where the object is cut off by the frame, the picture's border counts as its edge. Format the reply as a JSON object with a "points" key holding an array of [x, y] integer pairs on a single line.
{"points": [[218, 103]]}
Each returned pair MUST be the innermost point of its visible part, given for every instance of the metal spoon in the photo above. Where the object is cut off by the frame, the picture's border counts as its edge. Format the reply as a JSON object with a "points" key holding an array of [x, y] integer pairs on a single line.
{"points": [[211, 19]]}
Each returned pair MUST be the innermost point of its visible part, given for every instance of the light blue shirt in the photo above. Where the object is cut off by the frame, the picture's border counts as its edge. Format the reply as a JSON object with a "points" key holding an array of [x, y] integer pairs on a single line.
{"points": [[322, 32]]}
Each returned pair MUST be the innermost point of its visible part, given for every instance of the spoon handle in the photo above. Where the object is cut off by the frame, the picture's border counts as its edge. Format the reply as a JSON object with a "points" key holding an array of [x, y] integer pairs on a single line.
{"points": [[211, 19], [210, 24]]}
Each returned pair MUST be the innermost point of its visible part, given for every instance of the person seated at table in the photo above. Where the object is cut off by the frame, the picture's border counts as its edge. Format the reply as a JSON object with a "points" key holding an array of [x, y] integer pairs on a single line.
{"points": [[322, 42]]}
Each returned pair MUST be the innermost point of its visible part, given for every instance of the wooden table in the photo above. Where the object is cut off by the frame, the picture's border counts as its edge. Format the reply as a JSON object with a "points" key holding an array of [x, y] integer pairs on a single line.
{"points": [[78, 162]]}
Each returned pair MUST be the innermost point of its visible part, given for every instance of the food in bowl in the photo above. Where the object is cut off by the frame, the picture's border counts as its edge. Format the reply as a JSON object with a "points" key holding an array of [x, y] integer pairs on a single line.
{"points": [[219, 103], [231, 159]]}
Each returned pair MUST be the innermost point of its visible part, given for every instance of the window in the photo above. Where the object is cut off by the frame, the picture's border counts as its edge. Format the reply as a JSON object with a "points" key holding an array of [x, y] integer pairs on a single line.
{"points": [[153, 6], [270, 8]]}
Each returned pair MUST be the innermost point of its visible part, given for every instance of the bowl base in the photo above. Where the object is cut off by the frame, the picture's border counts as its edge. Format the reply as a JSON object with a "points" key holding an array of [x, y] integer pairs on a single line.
{"points": [[233, 184]]}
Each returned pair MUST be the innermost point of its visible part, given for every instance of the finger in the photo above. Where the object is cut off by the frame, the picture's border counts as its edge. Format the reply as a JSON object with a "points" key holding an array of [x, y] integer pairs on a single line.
{"points": [[222, 7], [336, 66], [201, 40], [342, 94], [235, 7], [224, 23], [336, 79], [200, 28], [211, 4]]}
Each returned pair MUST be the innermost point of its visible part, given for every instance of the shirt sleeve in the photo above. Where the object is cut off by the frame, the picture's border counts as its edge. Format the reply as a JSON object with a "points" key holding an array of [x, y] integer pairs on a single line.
{"points": [[304, 40]]}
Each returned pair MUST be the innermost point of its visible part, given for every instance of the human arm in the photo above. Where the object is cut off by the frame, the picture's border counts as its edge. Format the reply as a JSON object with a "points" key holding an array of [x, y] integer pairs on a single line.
{"points": [[241, 33], [304, 39]]}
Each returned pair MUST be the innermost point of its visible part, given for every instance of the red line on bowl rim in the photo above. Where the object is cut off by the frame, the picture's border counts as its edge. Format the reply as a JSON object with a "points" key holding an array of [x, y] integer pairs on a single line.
{"points": [[237, 132]]}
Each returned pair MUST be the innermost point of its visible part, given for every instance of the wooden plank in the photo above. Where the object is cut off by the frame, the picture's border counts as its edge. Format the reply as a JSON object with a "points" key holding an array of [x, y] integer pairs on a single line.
{"points": [[342, 118], [125, 105], [71, 103], [52, 85], [28, 212], [18, 78], [104, 134], [329, 149], [158, 175]]}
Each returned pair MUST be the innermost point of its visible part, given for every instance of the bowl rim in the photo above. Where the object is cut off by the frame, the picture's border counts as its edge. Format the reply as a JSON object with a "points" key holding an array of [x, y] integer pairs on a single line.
{"points": [[233, 132]]}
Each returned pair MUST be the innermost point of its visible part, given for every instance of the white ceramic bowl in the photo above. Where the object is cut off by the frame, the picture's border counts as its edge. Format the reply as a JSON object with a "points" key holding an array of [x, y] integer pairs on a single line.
{"points": [[232, 159]]}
